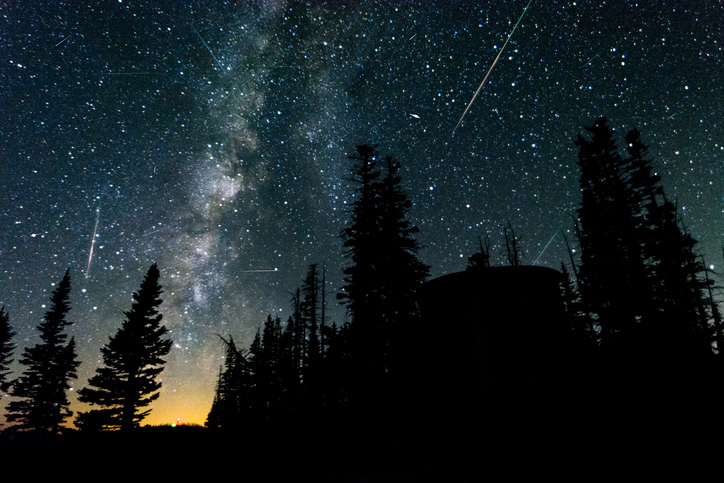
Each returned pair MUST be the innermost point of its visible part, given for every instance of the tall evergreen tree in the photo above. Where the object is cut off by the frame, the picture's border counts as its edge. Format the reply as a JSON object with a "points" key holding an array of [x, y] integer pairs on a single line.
{"points": [[6, 348], [383, 274], [50, 365], [612, 267], [401, 273], [640, 277], [232, 399], [132, 360], [360, 241]]}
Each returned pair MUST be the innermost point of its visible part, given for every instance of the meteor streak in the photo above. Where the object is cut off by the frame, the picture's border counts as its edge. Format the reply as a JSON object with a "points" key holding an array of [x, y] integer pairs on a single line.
{"points": [[156, 231], [207, 48], [93, 242], [547, 244], [260, 271], [491, 67], [130, 73], [591, 59], [62, 41]]}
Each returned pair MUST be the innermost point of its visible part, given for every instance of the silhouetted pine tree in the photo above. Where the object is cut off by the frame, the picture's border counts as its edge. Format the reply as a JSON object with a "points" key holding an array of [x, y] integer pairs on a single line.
{"points": [[232, 399], [311, 313], [6, 348], [640, 277], [360, 240], [383, 275], [333, 366], [258, 376], [49, 367], [366, 344], [289, 367], [216, 413], [265, 357], [132, 360], [611, 270], [401, 273], [716, 315]]}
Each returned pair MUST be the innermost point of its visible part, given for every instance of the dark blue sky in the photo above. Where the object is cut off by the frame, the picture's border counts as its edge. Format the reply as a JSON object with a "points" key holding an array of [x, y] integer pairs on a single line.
{"points": [[213, 141]]}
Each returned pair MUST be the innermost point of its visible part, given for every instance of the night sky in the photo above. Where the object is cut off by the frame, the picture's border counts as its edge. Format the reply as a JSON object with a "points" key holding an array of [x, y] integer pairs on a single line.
{"points": [[213, 140]]}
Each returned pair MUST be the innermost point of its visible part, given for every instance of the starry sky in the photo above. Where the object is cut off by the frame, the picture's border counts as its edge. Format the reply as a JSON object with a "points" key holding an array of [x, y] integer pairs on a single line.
{"points": [[212, 138]]}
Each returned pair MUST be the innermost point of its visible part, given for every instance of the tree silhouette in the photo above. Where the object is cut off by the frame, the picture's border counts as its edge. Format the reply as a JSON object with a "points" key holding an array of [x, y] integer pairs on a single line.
{"points": [[232, 399], [480, 259], [132, 359], [383, 274], [612, 267], [360, 237], [49, 367], [512, 246], [6, 347], [640, 279]]}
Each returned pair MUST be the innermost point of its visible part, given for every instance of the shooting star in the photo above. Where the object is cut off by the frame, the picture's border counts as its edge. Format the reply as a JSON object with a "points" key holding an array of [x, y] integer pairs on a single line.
{"points": [[243, 119], [260, 271], [415, 116], [130, 73], [545, 247], [207, 48], [156, 231], [491, 67], [412, 37], [93, 242], [62, 41], [591, 59]]}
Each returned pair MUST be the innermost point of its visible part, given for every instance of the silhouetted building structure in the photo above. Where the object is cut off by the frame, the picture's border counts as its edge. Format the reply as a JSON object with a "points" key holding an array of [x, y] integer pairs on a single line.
{"points": [[490, 348]]}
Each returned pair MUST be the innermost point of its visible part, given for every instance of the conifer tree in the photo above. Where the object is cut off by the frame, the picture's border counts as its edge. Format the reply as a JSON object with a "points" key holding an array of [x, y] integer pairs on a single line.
{"points": [[289, 372], [259, 378], [359, 238], [401, 273], [640, 277], [132, 360], [612, 267], [383, 275], [6, 348], [50, 365], [232, 398], [265, 364]]}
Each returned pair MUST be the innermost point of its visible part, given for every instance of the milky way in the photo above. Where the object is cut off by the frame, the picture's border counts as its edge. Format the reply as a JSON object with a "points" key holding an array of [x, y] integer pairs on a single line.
{"points": [[214, 141]]}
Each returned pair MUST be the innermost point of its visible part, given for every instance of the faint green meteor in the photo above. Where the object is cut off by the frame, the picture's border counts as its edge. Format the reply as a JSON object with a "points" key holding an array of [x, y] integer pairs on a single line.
{"points": [[239, 117], [545, 247]]}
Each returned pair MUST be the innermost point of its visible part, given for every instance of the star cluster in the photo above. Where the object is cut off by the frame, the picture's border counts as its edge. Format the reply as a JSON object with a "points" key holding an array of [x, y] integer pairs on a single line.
{"points": [[213, 140]]}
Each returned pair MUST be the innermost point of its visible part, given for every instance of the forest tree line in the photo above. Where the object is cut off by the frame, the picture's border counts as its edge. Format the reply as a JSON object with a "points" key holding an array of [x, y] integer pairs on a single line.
{"points": [[639, 291]]}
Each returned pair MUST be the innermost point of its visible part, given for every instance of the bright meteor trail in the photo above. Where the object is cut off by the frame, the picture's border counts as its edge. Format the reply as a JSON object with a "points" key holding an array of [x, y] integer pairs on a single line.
{"points": [[207, 48], [93, 242], [491, 67]]}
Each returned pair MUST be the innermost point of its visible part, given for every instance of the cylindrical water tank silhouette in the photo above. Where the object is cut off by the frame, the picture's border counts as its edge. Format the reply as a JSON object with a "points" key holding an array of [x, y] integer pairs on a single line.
{"points": [[489, 338]]}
